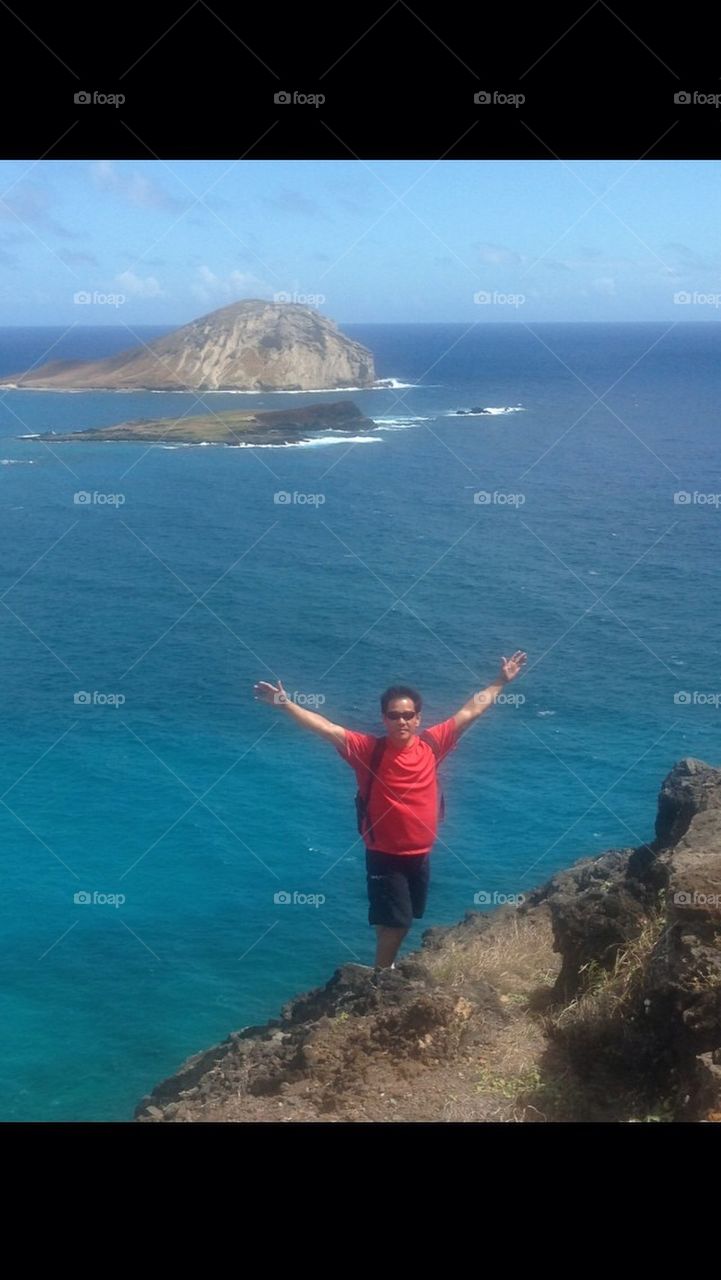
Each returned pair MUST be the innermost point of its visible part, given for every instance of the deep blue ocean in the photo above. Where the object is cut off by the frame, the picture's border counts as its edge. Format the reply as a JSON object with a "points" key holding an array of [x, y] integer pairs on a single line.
{"points": [[179, 581]]}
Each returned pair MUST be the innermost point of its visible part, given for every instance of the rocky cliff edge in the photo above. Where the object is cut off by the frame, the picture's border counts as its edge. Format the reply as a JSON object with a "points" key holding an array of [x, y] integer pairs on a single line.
{"points": [[599, 998]]}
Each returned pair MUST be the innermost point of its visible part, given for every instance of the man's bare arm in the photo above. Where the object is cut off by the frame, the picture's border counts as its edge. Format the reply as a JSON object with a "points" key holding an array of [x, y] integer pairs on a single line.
{"points": [[276, 696], [480, 702]]}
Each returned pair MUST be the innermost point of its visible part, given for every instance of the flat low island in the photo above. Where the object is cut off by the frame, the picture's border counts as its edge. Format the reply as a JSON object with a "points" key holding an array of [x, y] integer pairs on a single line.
{"points": [[235, 427]]}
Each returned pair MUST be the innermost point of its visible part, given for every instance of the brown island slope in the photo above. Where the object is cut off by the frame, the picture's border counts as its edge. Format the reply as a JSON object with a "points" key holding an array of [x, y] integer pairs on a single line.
{"points": [[236, 427], [599, 998], [248, 346]]}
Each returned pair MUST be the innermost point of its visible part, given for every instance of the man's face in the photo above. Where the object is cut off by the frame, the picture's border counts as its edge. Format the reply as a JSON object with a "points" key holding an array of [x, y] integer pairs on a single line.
{"points": [[401, 720]]}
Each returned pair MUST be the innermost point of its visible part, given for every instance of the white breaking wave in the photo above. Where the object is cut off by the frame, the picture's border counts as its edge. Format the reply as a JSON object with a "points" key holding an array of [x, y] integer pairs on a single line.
{"points": [[149, 444], [399, 423], [392, 384], [545, 713], [221, 444], [490, 410], [311, 444], [17, 462], [505, 408]]}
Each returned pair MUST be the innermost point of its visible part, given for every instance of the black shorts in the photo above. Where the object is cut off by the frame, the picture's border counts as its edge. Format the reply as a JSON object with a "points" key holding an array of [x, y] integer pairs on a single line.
{"points": [[397, 887]]}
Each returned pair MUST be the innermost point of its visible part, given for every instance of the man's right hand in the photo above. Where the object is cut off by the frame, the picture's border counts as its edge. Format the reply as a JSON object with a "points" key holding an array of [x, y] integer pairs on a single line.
{"points": [[275, 694]]}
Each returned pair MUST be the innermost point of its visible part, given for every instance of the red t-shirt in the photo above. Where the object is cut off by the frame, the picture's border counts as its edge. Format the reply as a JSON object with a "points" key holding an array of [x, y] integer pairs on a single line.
{"points": [[404, 797]]}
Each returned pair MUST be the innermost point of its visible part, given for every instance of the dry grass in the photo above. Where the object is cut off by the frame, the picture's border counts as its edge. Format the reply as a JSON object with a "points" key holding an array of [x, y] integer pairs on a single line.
{"points": [[586, 1073], [529, 1071], [545, 1062], [609, 993], [515, 956]]}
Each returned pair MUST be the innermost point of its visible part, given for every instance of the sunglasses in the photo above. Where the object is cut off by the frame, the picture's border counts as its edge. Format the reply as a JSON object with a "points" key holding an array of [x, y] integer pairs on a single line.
{"points": [[400, 715]]}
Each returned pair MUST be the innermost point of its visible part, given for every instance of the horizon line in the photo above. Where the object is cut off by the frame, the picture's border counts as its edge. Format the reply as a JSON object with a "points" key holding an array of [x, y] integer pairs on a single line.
{"points": [[154, 324]]}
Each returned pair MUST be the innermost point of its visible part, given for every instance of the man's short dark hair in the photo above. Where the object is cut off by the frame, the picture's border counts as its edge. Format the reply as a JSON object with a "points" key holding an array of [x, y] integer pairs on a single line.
{"points": [[401, 691]]}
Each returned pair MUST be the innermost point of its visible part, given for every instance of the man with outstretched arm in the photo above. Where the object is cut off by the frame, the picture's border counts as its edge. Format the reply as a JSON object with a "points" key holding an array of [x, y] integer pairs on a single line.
{"points": [[397, 793]]}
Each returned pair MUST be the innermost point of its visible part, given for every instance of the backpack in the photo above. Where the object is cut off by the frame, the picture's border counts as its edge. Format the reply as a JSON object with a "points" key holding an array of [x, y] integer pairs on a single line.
{"points": [[362, 801]]}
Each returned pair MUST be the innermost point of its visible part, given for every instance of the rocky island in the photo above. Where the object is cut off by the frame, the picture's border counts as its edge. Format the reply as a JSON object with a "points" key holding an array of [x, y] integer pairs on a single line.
{"points": [[248, 346], [235, 427], [597, 999]]}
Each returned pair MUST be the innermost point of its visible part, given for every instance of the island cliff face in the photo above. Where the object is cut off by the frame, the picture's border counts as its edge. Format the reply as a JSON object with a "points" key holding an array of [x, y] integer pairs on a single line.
{"points": [[599, 998], [248, 346]]}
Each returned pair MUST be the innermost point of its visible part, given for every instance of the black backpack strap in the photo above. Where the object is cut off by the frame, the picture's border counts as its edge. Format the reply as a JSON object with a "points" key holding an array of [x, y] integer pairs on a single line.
{"points": [[426, 737], [431, 742], [373, 764]]}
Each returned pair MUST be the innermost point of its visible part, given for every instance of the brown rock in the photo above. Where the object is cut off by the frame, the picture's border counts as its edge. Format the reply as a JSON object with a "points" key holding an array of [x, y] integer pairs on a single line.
{"points": [[252, 345]]}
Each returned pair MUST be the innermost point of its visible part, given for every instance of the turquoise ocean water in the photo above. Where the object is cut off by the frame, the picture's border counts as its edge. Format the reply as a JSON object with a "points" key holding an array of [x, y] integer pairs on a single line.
{"points": [[169, 785]]}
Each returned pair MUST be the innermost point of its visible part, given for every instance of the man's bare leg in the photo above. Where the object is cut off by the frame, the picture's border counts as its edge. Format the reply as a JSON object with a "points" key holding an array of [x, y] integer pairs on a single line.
{"points": [[388, 943]]}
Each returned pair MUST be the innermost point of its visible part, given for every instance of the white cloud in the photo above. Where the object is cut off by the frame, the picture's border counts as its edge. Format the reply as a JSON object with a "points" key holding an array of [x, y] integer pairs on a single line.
{"points": [[134, 187], [209, 287], [499, 255], [648, 264], [606, 286], [137, 287]]}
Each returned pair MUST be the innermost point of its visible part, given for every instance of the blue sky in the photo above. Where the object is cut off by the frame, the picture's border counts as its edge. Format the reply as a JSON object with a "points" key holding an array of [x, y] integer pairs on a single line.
{"points": [[375, 240]]}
